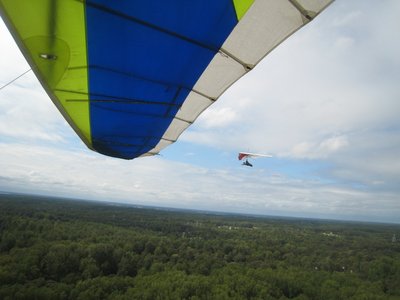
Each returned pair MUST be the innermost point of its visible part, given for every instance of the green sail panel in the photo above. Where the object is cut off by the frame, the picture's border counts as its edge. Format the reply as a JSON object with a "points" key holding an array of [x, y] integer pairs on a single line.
{"points": [[241, 7], [55, 47]]}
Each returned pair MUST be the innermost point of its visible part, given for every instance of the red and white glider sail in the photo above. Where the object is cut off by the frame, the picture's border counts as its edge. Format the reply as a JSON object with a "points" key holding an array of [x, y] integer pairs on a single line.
{"points": [[251, 155]]}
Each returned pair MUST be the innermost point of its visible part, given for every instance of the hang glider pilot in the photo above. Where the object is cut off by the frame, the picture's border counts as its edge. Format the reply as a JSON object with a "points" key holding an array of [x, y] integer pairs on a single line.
{"points": [[246, 163]]}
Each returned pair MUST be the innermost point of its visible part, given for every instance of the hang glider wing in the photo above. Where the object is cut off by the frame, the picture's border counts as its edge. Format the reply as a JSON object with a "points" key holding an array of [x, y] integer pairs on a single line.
{"points": [[131, 76], [246, 155]]}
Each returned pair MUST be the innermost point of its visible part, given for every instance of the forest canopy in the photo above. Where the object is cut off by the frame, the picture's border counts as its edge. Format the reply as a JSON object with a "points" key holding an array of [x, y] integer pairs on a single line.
{"points": [[63, 249]]}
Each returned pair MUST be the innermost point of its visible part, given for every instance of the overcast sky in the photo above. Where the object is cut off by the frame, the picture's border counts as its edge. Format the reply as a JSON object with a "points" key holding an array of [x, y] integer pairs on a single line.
{"points": [[325, 103]]}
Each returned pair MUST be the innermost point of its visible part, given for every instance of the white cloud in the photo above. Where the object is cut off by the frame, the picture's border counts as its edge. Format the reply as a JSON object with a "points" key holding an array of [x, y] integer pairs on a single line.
{"points": [[322, 149], [328, 95], [27, 113], [156, 181], [218, 117], [344, 43], [346, 19]]}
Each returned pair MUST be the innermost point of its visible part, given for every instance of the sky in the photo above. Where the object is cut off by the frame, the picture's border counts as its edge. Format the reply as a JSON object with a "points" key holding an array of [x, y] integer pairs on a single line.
{"points": [[325, 104]]}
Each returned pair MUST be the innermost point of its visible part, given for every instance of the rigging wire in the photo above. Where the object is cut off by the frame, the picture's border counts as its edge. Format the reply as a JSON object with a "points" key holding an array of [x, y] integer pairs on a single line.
{"points": [[14, 79]]}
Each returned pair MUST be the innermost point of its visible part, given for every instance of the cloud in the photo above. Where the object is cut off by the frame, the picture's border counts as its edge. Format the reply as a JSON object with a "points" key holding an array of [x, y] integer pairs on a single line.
{"points": [[344, 43], [28, 114], [218, 117], [319, 150], [328, 97], [347, 19], [157, 181]]}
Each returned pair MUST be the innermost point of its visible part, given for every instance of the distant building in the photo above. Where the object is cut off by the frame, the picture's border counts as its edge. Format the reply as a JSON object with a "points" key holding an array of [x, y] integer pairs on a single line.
{"points": [[394, 240]]}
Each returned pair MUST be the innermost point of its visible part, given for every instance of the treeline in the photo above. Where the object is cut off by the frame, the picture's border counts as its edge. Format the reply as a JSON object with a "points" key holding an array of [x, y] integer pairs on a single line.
{"points": [[59, 249]]}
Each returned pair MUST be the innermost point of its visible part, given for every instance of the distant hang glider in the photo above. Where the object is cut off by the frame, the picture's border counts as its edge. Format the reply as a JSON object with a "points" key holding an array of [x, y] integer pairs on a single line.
{"points": [[131, 76], [247, 155]]}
